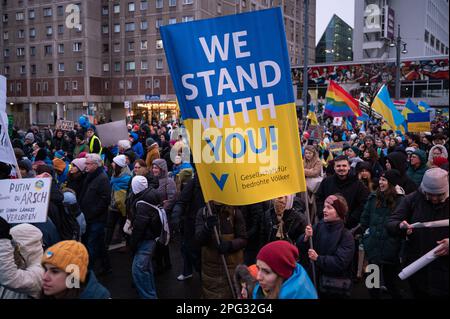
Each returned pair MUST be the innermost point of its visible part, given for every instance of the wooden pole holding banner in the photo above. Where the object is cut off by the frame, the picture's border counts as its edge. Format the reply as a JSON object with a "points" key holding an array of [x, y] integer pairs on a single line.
{"points": [[308, 221], [224, 262]]}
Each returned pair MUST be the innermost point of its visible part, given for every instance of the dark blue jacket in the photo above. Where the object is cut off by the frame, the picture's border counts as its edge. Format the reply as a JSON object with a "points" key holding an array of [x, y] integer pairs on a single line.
{"points": [[93, 289]]}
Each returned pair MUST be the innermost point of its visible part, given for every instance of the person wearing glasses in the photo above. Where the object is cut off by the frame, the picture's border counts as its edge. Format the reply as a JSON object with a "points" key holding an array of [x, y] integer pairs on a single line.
{"points": [[428, 203]]}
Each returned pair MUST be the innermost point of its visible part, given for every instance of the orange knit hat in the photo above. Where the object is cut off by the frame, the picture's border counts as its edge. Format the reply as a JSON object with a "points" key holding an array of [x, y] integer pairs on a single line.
{"points": [[59, 165], [65, 253]]}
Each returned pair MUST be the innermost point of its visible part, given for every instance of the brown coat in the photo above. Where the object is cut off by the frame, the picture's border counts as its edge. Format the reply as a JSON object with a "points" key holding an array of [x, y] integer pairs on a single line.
{"points": [[152, 154], [313, 168]]}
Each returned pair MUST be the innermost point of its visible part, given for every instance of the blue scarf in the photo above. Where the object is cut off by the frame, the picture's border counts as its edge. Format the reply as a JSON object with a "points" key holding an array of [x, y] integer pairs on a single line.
{"points": [[121, 182]]}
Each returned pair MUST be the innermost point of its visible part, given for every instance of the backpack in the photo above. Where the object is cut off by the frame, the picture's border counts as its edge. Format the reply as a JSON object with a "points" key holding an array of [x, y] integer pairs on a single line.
{"points": [[69, 228], [164, 237]]}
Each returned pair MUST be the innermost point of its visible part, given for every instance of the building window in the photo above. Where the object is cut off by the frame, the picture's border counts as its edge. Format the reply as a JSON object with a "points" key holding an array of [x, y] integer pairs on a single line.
{"points": [[21, 34], [19, 87], [159, 44], [159, 23], [33, 69], [188, 1], [20, 16], [148, 84], [45, 86], [50, 68], [131, 46], [32, 51], [105, 47], [106, 85], [172, 3], [159, 64], [172, 20], [22, 69], [6, 53], [6, 70], [61, 48], [5, 17], [144, 65], [442, 48], [129, 84], [105, 29], [144, 5], [60, 28], [116, 28], [79, 66], [438, 44], [432, 41], [38, 86], [130, 66], [116, 47], [129, 27], [31, 14], [144, 25], [49, 30], [219, 8], [20, 51], [117, 8], [144, 44], [66, 85], [5, 35], [61, 67], [47, 12], [117, 67], [75, 85], [60, 10], [105, 11], [187, 19], [159, 4], [77, 46], [156, 83], [121, 85], [131, 7], [105, 67], [427, 36]]}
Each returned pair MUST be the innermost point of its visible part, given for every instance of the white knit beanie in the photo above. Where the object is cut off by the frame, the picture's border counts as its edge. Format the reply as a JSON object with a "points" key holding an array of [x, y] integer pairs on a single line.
{"points": [[138, 184], [120, 160], [435, 181]]}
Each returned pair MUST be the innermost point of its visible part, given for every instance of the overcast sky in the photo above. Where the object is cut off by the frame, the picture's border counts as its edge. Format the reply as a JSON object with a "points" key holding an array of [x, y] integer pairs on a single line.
{"points": [[345, 9]]}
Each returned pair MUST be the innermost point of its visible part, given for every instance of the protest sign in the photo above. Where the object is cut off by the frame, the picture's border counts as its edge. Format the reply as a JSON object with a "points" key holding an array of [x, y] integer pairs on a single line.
{"points": [[64, 125], [6, 149], [25, 200], [336, 147], [337, 121], [111, 133], [235, 93]]}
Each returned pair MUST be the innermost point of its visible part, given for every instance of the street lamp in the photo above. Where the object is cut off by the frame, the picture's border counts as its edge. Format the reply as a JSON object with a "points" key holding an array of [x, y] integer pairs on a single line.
{"points": [[397, 42]]}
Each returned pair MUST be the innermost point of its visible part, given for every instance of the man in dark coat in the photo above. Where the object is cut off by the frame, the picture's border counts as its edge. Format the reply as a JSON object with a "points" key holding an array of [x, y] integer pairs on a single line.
{"points": [[353, 190], [95, 198], [428, 203]]}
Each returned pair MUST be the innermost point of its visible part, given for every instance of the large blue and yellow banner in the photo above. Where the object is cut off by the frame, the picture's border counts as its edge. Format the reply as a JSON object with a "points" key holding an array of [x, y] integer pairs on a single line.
{"points": [[232, 79]]}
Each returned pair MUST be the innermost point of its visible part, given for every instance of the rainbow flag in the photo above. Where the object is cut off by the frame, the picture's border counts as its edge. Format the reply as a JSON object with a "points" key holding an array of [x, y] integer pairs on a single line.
{"points": [[339, 103]]}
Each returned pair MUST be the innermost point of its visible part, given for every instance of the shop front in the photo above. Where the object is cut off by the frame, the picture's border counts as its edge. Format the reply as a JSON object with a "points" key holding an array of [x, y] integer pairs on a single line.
{"points": [[155, 111]]}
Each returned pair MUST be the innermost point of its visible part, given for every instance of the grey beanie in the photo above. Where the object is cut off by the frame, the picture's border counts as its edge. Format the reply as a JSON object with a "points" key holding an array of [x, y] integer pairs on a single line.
{"points": [[150, 141], [435, 181], [30, 136]]}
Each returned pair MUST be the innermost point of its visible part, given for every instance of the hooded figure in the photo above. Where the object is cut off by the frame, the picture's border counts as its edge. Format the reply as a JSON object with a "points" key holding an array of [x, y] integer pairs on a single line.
{"points": [[398, 160], [20, 263], [136, 145], [416, 169], [437, 151], [167, 187]]}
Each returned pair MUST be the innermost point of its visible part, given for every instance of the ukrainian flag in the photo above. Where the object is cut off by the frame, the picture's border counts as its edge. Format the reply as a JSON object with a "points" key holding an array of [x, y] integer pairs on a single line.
{"points": [[384, 106], [424, 107], [312, 115], [419, 122], [410, 107]]}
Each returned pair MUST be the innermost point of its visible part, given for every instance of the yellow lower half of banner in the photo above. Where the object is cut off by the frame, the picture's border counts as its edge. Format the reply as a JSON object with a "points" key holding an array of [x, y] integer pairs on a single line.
{"points": [[245, 158], [419, 127]]}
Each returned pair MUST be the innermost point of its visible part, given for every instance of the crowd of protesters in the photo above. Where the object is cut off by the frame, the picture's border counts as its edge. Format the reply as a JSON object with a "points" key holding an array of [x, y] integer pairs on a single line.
{"points": [[145, 189]]}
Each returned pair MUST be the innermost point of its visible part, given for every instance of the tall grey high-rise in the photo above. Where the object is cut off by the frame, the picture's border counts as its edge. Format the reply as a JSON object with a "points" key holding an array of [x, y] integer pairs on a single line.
{"points": [[58, 68], [424, 27]]}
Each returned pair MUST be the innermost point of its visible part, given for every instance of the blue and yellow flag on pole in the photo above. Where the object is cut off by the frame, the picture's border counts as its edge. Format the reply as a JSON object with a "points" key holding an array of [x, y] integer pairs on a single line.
{"points": [[384, 106], [410, 107], [423, 106], [233, 82], [312, 115], [419, 122]]}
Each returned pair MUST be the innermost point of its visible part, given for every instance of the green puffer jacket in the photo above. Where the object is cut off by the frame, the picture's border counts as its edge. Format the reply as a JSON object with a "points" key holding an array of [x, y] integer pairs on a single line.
{"points": [[379, 246], [416, 175]]}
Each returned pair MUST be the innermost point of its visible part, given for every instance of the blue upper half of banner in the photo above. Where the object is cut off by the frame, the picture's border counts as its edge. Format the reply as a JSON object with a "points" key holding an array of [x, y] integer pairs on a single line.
{"points": [[419, 117], [238, 60]]}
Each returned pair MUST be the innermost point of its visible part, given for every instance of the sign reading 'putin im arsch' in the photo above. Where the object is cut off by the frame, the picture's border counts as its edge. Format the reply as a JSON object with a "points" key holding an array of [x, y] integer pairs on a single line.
{"points": [[232, 79]]}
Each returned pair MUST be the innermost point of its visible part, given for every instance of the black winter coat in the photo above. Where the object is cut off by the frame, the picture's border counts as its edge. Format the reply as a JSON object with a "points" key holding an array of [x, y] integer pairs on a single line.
{"points": [[145, 220], [335, 246], [294, 224], [95, 196], [353, 190], [415, 208], [253, 215]]}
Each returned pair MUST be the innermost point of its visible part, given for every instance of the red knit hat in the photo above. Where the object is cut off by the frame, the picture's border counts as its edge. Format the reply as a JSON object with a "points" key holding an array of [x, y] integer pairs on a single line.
{"points": [[281, 256], [439, 161]]}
